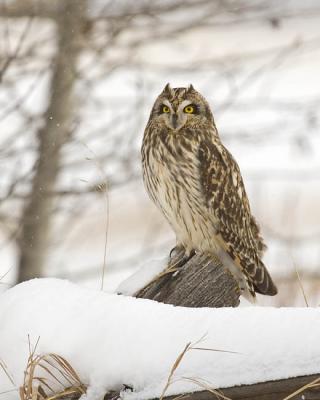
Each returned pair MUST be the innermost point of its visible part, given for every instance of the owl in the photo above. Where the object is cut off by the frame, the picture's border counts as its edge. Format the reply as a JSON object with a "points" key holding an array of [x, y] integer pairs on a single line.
{"points": [[197, 185]]}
